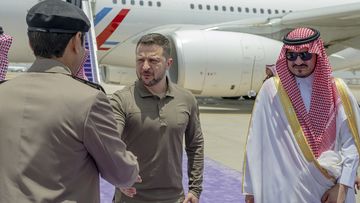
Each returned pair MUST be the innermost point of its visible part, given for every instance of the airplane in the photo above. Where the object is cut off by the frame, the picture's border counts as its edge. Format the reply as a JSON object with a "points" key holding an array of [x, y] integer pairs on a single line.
{"points": [[221, 47]]}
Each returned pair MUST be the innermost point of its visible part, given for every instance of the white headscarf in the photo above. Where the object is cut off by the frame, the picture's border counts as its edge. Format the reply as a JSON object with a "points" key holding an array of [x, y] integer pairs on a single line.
{"points": [[319, 125]]}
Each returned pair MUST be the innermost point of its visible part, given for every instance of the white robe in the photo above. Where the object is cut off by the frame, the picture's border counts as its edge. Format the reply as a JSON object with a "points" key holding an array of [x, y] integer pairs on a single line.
{"points": [[275, 167]]}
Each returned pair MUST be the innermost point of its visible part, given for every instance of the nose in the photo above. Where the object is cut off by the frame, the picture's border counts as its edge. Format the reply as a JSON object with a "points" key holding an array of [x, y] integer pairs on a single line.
{"points": [[298, 61], [146, 65]]}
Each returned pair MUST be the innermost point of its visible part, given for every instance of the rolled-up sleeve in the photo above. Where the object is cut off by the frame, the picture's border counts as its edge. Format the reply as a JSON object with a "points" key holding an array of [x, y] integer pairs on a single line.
{"points": [[103, 142]]}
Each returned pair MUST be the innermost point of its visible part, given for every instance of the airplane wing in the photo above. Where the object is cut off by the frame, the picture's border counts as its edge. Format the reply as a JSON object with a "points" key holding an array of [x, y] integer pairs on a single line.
{"points": [[339, 25]]}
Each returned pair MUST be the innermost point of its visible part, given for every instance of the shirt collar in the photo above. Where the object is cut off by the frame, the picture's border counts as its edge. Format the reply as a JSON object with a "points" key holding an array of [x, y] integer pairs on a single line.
{"points": [[49, 66]]}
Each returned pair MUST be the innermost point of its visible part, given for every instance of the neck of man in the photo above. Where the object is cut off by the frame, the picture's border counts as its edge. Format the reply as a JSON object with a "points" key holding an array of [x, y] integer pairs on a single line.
{"points": [[65, 61], [159, 89], [308, 77]]}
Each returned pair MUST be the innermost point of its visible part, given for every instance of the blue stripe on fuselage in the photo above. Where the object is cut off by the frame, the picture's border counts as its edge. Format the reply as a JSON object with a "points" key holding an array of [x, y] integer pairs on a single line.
{"points": [[99, 16]]}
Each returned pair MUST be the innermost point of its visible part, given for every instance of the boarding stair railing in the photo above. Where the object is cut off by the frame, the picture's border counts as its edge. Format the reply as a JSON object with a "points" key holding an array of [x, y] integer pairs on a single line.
{"points": [[91, 66]]}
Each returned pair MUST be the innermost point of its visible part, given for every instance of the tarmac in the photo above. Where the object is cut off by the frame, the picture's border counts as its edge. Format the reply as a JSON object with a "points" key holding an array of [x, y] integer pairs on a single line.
{"points": [[225, 126]]}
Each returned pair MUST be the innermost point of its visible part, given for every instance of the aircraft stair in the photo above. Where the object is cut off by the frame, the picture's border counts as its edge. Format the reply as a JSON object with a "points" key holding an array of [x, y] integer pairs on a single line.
{"points": [[91, 68]]}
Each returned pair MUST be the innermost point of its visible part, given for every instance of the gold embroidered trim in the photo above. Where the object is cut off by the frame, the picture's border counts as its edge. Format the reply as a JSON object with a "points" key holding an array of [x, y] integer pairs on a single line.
{"points": [[349, 112]]}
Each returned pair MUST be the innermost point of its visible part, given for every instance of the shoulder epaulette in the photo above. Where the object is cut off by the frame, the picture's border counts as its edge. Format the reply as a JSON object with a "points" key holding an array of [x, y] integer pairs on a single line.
{"points": [[91, 84], [2, 81]]}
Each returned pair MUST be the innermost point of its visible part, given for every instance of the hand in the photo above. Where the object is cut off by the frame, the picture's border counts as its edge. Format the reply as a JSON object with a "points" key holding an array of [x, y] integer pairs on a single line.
{"points": [[249, 199], [191, 198], [357, 184], [336, 194], [130, 191]]}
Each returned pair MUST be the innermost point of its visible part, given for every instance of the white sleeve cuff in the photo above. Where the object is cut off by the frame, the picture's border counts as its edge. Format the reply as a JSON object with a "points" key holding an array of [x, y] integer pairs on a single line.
{"points": [[348, 177]]}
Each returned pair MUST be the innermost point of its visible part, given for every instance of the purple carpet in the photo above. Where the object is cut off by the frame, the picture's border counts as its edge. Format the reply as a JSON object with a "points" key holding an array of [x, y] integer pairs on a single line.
{"points": [[221, 184]]}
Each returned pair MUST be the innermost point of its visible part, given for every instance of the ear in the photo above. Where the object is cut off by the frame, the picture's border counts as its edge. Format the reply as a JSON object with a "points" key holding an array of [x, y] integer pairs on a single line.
{"points": [[169, 62], [77, 42]]}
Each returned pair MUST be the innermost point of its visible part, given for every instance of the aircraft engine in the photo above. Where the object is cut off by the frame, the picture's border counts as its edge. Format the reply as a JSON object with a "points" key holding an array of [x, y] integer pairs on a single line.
{"points": [[216, 63]]}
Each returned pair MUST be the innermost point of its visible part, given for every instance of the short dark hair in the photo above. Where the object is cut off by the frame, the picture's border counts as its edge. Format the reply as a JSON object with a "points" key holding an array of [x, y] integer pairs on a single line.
{"points": [[156, 39], [48, 45]]}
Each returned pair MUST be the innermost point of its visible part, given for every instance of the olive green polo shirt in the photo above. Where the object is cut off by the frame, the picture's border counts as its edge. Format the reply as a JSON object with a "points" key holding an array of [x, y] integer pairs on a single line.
{"points": [[153, 129]]}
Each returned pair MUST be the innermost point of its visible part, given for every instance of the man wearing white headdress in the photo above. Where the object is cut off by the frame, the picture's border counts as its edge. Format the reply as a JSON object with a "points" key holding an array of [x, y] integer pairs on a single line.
{"points": [[303, 140]]}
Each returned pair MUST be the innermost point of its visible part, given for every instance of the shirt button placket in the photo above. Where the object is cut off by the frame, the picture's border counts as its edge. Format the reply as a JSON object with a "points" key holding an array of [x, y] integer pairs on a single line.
{"points": [[161, 113]]}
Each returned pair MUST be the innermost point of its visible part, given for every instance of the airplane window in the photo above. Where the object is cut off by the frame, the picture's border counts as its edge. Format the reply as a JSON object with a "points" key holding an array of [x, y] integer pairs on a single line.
{"points": [[224, 8], [247, 10], [192, 6], [123, 1], [132, 2], [158, 4], [200, 6], [239, 9], [269, 11], [231, 9], [276, 11], [261, 10], [114, 1], [254, 10], [150, 3], [216, 7], [283, 11], [141, 3], [208, 7]]}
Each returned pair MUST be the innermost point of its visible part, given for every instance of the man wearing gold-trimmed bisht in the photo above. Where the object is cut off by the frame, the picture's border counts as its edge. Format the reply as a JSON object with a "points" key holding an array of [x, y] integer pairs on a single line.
{"points": [[303, 139]]}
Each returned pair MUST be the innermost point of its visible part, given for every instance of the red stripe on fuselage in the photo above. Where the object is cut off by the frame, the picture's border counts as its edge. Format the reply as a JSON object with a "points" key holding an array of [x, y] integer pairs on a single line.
{"points": [[114, 24]]}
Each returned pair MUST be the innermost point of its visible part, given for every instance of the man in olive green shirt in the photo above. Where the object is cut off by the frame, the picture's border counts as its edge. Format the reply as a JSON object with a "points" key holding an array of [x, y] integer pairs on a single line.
{"points": [[153, 116]]}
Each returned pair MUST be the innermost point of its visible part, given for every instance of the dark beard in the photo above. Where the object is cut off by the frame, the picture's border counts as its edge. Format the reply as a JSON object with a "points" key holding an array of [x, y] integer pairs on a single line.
{"points": [[153, 81], [304, 76]]}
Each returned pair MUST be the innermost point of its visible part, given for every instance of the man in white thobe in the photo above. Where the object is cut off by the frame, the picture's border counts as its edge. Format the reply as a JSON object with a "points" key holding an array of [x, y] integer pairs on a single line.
{"points": [[303, 140]]}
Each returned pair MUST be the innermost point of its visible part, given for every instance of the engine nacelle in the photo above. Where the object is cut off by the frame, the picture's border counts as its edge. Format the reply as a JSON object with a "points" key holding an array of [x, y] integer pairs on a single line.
{"points": [[216, 63]]}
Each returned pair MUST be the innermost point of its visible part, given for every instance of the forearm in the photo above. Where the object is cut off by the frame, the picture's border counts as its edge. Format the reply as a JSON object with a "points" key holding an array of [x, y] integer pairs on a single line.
{"points": [[195, 169], [350, 157], [342, 192], [348, 175], [194, 142], [101, 139]]}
